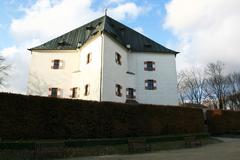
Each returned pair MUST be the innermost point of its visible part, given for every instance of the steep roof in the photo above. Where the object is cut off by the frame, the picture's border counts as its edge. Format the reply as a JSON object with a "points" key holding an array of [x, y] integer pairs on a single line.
{"points": [[121, 33]]}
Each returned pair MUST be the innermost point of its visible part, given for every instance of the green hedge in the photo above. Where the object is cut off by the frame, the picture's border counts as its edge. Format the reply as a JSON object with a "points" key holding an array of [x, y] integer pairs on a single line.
{"points": [[32, 117], [222, 121]]}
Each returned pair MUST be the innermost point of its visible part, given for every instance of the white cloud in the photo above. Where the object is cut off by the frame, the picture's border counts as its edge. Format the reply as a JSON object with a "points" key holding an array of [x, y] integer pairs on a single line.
{"points": [[18, 58], [9, 52], [115, 1], [46, 19], [50, 18], [139, 29], [207, 31], [126, 10]]}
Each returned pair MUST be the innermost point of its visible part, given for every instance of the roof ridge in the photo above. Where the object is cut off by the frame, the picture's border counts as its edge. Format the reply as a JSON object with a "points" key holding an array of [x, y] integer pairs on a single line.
{"points": [[104, 21], [142, 35], [69, 32], [126, 36]]}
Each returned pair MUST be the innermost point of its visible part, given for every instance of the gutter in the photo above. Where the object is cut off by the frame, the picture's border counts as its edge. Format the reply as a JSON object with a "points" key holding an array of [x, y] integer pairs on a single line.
{"points": [[101, 69]]}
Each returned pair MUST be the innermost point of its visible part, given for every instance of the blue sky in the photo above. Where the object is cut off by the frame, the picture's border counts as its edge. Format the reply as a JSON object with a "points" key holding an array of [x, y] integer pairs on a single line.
{"points": [[202, 30], [14, 9], [10, 9]]}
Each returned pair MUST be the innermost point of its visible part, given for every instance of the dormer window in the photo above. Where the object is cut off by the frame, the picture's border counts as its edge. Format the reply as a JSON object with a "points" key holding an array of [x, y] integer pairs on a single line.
{"points": [[57, 64], [128, 46], [89, 58], [150, 84], [121, 28], [149, 66], [94, 33], [118, 58], [147, 45], [118, 90], [79, 44], [61, 43], [99, 24], [90, 28]]}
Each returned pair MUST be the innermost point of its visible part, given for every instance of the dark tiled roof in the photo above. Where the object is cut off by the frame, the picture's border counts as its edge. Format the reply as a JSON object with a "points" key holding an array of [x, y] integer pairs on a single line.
{"points": [[121, 33]]}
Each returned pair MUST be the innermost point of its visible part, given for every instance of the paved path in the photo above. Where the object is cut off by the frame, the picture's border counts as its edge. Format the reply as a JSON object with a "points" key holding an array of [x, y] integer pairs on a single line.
{"points": [[228, 150]]}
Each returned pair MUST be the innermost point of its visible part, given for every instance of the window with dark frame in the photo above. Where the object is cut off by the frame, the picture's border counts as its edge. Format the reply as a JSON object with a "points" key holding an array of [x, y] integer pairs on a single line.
{"points": [[53, 92], [118, 58], [56, 64], [149, 66], [87, 90], [131, 93], [118, 90], [89, 58], [150, 84], [74, 92]]}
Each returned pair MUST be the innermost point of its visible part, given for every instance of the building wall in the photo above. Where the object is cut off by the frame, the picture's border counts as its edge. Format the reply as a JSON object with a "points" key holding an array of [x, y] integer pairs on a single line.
{"points": [[131, 71], [42, 76], [75, 73], [164, 74], [130, 74], [90, 73], [113, 73]]}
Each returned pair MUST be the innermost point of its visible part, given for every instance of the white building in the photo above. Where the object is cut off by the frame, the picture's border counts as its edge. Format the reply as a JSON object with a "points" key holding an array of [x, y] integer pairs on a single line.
{"points": [[104, 60]]}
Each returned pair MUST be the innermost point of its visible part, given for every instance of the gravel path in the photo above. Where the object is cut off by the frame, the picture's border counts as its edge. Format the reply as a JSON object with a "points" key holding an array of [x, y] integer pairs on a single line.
{"points": [[228, 150]]}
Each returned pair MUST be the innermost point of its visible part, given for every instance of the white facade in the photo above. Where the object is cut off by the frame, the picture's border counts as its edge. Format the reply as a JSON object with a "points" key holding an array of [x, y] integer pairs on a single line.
{"points": [[102, 73], [165, 75], [42, 76]]}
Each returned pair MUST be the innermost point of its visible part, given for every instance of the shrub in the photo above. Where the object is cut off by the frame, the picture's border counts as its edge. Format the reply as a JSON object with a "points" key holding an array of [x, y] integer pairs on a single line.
{"points": [[221, 121], [33, 117]]}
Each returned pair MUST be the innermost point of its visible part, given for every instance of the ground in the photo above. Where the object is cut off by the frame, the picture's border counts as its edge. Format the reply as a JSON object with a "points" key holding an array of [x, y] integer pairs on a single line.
{"points": [[228, 150]]}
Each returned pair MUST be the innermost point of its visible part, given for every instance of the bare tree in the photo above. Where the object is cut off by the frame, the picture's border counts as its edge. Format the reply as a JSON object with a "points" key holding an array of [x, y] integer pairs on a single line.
{"points": [[195, 84], [4, 68], [233, 90], [181, 87], [191, 86], [216, 84], [36, 85]]}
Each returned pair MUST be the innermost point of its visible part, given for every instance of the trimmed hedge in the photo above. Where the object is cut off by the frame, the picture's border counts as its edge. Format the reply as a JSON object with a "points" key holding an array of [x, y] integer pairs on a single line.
{"points": [[222, 121], [33, 117]]}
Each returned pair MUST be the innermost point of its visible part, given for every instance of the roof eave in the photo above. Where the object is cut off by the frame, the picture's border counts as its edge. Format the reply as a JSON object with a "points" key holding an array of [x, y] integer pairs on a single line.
{"points": [[32, 49]]}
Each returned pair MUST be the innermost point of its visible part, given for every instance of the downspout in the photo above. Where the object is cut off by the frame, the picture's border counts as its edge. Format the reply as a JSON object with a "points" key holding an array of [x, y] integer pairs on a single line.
{"points": [[101, 69]]}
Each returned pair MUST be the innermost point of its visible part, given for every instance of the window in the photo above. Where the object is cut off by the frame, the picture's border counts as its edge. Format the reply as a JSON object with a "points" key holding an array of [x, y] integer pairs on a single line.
{"points": [[89, 57], [118, 58], [87, 90], [74, 92], [131, 93], [149, 66], [150, 84], [54, 92], [57, 64], [118, 90]]}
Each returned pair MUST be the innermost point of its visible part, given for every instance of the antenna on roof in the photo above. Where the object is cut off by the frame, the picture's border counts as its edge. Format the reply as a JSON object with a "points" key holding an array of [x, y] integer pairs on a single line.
{"points": [[105, 11], [128, 46]]}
